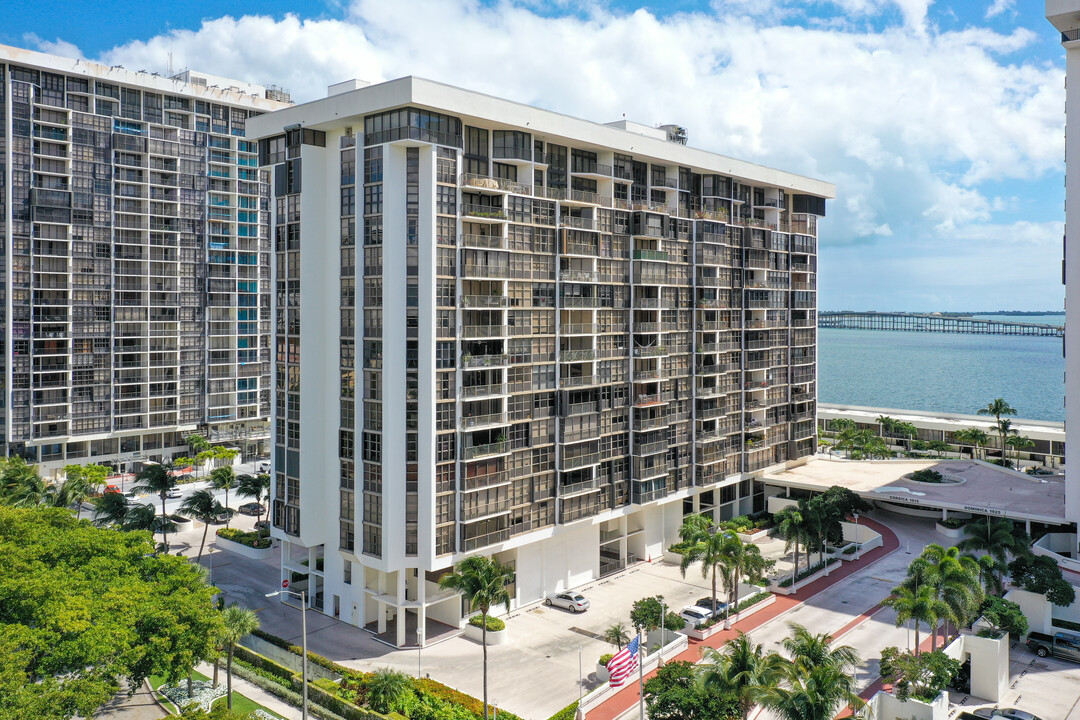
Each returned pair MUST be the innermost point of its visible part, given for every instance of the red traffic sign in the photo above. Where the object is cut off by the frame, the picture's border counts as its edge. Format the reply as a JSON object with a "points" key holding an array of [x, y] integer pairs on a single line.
{"points": [[284, 583]]}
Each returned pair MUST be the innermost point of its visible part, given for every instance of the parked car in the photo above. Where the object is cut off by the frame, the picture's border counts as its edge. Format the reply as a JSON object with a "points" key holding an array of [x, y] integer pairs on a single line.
{"points": [[264, 467], [1004, 714], [707, 603], [572, 601], [174, 492], [130, 495], [111, 488], [262, 525], [252, 508], [696, 615], [1062, 645], [223, 516]]}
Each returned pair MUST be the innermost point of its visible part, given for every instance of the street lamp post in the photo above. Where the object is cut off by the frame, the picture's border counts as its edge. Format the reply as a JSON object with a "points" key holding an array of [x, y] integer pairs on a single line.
{"points": [[856, 515], [419, 647], [303, 631]]}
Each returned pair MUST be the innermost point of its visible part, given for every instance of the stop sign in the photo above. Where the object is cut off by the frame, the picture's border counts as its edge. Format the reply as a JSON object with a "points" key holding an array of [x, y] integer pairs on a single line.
{"points": [[284, 583]]}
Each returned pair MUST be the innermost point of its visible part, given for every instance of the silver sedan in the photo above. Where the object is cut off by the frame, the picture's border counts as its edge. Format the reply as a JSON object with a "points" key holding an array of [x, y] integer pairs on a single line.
{"points": [[572, 601]]}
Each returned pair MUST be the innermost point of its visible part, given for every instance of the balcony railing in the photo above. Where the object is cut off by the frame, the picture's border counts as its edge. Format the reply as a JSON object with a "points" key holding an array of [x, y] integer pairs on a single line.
{"points": [[477, 361], [486, 182], [577, 355], [477, 391], [483, 241], [577, 276], [483, 331], [484, 301], [484, 211], [478, 451]]}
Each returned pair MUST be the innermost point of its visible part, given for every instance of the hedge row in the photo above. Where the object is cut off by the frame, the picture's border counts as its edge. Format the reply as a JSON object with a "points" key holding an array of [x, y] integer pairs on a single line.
{"points": [[494, 624], [567, 713], [241, 669], [786, 582]]}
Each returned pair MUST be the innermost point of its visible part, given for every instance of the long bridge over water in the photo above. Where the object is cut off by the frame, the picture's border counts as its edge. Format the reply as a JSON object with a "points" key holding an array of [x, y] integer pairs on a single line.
{"points": [[918, 322]]}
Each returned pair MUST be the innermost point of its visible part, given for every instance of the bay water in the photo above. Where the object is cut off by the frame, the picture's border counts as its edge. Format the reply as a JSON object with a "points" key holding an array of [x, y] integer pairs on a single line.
{"points": [[944, 372]]}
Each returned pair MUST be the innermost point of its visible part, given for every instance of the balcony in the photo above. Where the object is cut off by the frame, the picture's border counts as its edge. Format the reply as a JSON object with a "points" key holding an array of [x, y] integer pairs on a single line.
{"points": [[591, 168], [484, 213], [651, 255], [500, 272], [579, 328], [650, 448], [475, 452], [579, 223], [474, 392], [579, 381], [484, 301], [578, 301], [575, 462], [470, 240], [489, 183], [480, 361], [578, 276], [483, 331], [568, 356]]}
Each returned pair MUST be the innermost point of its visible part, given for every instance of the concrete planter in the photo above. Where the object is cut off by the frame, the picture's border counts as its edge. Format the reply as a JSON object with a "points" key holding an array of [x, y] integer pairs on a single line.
{"points": [[754, 536], [602, 673], [243, 550], [735, 617], [672, 557], [493, 638], [791, 589], [948, 531]]}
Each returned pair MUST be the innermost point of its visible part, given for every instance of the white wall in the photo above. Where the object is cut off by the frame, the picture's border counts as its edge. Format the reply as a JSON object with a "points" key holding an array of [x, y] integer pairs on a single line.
{"points": [[1036, 608], [989, 666]]}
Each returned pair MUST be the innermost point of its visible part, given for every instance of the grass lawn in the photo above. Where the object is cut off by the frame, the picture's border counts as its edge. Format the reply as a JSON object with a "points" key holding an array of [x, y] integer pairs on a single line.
{"points": [[241, 703]]}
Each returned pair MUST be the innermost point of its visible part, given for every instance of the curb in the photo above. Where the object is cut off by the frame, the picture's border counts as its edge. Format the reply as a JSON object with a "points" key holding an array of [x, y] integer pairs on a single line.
{"points": [[156, 699]]}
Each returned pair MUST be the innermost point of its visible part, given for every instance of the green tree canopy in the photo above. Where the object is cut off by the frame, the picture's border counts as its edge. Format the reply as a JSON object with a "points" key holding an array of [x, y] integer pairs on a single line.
{"points": [[82, 607], [674, 694], [645, 615], [920, 676], [1040, 574], [1004, 616]]}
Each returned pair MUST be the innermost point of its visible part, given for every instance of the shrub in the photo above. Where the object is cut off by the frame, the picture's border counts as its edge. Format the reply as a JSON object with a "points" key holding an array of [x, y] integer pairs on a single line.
{"points": [[927, 475], [326, 684], [807, 572], [953, 523], [605, 658], [567, 713], [251, 539], [743, 604], [493, 624], [849, 550]]}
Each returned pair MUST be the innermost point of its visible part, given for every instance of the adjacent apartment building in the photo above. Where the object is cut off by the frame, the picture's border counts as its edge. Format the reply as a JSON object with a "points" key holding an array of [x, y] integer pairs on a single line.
{"points": [[502, 330], [1065, 17], [136, 305]]}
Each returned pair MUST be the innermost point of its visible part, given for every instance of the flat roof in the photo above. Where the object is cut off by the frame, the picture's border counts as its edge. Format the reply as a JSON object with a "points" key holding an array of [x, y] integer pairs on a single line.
{"points": [[987, 490], [347, 109], [950, 422]]}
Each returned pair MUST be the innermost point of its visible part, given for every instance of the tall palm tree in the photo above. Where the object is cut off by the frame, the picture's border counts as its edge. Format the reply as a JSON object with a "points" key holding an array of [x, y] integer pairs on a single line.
{"points": [[1018, 443], [746, 562], [995, 537], [204, 507], [885, 425], [76, 490], [810, 693], [239, 623], [156, 479], [224, 478], [791, 526], [694, 526], [110, 509], [955, 582], [997, 408], [739, 669], [255, 487], [919, 605], [34, 491], [15, 472], [482, 582], [714, 552], [617, 635]]}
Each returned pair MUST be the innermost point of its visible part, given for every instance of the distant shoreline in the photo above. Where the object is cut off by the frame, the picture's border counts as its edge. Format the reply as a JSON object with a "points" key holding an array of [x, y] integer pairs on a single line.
{"points": [[1018, 313]]}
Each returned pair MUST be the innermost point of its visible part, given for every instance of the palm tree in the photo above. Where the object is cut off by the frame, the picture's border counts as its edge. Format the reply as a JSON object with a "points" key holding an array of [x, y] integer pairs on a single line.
{"points": [[995, 537], [224, 478], [812, 650], [811, 693], [15, 472], [110, 509], [482, 581], [907, 430], [791, 526], [746, 562], [694, 526], [955, 581], [617, 635], [204, 507], [34, 491], [76, 490], [714, 552], [997, 408], [254, 486], [1018, 443], [198, 443], [739, 669], [239, 623], [386, 688], [919, 605], [157, 479], [885, 424]]}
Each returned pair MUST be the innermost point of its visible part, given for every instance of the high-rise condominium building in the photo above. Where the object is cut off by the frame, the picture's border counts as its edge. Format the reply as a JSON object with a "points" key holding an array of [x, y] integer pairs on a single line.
{"points": [[506, 331], [1065, 16], [136, 261]]}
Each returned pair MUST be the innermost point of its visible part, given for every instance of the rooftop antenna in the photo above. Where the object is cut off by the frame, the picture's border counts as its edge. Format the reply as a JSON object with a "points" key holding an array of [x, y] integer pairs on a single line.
{"points": [[170, 67]]}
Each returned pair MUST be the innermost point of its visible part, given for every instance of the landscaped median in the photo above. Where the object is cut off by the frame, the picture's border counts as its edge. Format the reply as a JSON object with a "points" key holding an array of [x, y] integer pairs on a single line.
{"points": [[744, 609], [204, 696], [424, 699], [805, 577]]}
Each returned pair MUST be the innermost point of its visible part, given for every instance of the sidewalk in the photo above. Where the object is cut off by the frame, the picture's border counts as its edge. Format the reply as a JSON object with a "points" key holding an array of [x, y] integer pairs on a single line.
{"points": [[252, 692], [627, 698]]}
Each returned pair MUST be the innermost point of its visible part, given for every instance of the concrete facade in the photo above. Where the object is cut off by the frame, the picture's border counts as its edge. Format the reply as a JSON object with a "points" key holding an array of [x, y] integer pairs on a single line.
{"points": [[503, 330]]}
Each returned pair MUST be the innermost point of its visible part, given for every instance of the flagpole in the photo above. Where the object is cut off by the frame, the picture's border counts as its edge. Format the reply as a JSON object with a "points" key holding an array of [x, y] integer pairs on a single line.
{"points": [[641, 678]]}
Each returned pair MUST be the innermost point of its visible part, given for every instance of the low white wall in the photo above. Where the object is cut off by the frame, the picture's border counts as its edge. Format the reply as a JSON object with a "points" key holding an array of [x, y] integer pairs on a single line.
{"points": [[241, 549], [776, 503], [1053, 545], [1036, 608], [493, 638], [886, 707], [599, 695]]}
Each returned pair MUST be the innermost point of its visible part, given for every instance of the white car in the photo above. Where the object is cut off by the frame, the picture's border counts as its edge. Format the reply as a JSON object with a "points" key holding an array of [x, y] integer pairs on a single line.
{"points": [[174, 492], [696, 615], [572, 601]]}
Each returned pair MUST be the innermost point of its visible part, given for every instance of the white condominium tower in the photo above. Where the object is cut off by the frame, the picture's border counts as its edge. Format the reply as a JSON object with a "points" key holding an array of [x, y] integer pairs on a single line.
{"points": [[135, 263], [1065, 16], [502, 330]]}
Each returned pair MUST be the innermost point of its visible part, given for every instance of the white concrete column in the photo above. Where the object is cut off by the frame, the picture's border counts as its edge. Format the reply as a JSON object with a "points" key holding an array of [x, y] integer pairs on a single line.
{"points": [[399, 626], [421, 611], [381, 587]]}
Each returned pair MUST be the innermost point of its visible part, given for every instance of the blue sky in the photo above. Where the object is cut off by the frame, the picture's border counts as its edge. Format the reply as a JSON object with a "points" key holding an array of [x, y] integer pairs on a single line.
{"points": [[940, 122]]}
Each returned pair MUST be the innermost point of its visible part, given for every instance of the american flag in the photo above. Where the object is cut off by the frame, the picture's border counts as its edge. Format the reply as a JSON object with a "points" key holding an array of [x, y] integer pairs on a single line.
{"points": [[624, 663]]}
